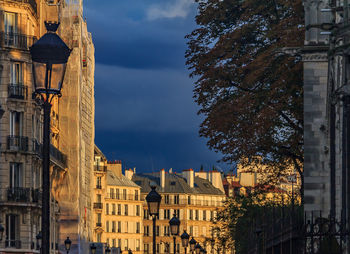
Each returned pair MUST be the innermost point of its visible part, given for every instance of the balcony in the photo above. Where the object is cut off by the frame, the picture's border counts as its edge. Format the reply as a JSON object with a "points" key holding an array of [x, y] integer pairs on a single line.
{"points": [[98, 186], [36, 196], [13, 244], [17, 91], [17, 41], [98, 224], [100, 168], [17, 143], [113, 195], [18, 194], [56, 156], [98, 205]]}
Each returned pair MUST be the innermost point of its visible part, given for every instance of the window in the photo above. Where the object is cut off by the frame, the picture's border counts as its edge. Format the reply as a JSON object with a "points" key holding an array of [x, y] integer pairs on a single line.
{"points": [[107, 209], [137, 210], [16, 124], [117, 194], [191, 230], [16, 175], [137, 245], [204, 215], [136, 195], [145, 214], [124, 194], [12, 230], [126, 227], [197, 215], [157, 231], [126, 210], [120, 243], [98, 218], [166, 231], [98, 198], [191, 214], [113, 209], [166, 199], [107, 226], [167, 248], [146, 248], [157, 249], [113, 226], [211, 215], [126, 246], [99, 237], [137, 227], [113, 242], [111, 194], [119, 226], [119, 209], [176, 199], [16, 73], [146, 230], [10, 28], [177, 213], [166, 214], [189, 200], [98, 182], [107, 240]]}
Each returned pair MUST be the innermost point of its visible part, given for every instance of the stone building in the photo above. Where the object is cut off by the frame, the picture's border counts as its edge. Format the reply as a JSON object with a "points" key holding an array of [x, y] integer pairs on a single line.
{"points": [[72, 129], [117, 206], [194, 200]]}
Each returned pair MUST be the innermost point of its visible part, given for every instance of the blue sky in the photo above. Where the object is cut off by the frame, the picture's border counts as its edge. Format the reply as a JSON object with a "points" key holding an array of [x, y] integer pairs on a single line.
{"points": [[145, 114]]}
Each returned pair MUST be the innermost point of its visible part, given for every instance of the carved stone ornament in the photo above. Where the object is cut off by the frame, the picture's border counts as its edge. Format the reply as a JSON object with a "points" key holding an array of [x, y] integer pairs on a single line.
{"points": [[315, 57]]}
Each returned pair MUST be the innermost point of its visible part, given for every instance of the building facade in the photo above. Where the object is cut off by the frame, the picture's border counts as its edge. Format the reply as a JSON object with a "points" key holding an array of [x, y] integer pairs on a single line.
{"points": [[117, 207], [72, 129], [193, 199]]}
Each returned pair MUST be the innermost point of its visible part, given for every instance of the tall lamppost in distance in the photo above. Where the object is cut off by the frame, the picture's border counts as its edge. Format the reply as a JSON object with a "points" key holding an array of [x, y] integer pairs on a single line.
{"points": [[174, 229], [193, 245], [184, 239], [67, 244], [153, 201], [49, 57]]}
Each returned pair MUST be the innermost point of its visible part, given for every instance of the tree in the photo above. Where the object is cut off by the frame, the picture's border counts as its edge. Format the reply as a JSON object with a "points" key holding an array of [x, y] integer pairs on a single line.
{"points": [[249, 89]]}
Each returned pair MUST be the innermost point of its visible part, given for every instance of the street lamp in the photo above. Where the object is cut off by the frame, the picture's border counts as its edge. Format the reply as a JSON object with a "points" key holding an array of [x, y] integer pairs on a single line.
{"points": [[184, 238], [174, 229], [49, 56], [93, 248], [39, 238], [67, 244], [193, 244], [198, 248], [153, 201], [1, 232]]}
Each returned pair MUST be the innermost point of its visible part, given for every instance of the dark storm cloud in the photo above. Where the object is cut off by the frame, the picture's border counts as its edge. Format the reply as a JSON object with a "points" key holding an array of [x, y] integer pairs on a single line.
{"points": [[145, 114]]}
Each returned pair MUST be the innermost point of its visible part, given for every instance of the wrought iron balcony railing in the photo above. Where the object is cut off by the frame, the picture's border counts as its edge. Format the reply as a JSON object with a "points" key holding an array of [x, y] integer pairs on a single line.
{"points": [[98, 205], [18, 41], [13, 244], [17, 143], [55, 154], [18, 194], [100, 168], [17, 91]]}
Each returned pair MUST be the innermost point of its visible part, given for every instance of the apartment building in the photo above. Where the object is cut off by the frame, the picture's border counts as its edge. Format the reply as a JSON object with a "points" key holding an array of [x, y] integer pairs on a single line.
{"points": [[193, 199], [21, 133], [117, 207]]}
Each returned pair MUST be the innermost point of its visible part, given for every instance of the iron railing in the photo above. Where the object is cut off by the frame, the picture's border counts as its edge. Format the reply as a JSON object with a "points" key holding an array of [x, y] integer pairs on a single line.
{"points": [[20, 194], [113, 195], [55, 154], [98, 205], [100, 168], [17, 91], [15, 40], [17, 143]]}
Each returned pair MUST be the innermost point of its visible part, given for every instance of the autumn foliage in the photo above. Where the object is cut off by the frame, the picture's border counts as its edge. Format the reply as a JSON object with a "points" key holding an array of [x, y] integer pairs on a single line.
{"points": [[248, 86]]}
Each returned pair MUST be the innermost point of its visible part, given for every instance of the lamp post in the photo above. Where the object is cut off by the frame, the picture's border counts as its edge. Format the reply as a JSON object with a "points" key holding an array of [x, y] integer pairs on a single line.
{"points": [[184, 238], [198, 248], [107, 250], [1, 232], [174, 229], [93, 248], [193, 245], [67, 244], [153, 201], [49, 56], [39, 238]]}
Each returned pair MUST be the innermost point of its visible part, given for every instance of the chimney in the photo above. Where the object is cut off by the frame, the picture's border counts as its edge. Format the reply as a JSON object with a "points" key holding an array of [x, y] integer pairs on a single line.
{"points": [[189, 175], [216, 180], [115, 167], [129, 173], [162, 178]]}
